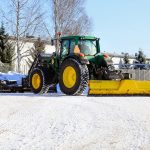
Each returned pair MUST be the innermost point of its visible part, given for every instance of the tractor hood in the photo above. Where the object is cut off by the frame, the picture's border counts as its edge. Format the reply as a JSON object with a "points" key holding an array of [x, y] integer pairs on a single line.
{"points": [[98, 58]]}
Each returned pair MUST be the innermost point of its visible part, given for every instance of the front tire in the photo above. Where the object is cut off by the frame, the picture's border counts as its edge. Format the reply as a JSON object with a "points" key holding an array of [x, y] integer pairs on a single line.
{"points": [[73, 77], [36, 80]]}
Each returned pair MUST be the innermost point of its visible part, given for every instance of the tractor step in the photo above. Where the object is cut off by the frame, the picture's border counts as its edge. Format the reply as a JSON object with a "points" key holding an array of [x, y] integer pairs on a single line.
{"points": [[119, 87]]}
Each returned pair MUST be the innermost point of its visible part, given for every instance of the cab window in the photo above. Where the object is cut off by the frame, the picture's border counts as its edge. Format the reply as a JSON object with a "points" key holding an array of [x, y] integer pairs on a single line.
{"points": [[65, 47], [87, 47], [72, 45]]}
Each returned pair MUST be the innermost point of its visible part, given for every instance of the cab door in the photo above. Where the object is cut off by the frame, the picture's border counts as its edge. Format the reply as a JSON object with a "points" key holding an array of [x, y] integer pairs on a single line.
{"points": [[65, 45]]}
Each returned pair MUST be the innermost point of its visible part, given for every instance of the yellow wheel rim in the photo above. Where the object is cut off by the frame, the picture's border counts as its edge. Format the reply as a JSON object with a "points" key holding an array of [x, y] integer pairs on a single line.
{"points": [[36, 81], [69, 77]]}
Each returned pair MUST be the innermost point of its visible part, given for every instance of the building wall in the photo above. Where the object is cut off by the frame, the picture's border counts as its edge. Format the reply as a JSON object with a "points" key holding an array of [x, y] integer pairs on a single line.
{"points": [[26, 46]]}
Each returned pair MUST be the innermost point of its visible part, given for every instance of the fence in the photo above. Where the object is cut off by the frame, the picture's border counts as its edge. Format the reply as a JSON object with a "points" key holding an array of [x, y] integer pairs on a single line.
{"points": [[138, 74]]}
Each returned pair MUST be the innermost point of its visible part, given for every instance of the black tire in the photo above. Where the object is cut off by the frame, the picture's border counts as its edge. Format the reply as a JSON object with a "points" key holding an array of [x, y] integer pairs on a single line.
{"points": [[39, 87], [81, 80]]}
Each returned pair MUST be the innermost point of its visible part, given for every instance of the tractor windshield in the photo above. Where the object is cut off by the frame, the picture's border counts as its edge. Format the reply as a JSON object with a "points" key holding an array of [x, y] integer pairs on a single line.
{"points": [[87, 47]]}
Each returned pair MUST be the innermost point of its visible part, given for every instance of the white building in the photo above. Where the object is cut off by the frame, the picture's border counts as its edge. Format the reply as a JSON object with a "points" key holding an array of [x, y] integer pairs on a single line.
{"points": [[26, 44]]}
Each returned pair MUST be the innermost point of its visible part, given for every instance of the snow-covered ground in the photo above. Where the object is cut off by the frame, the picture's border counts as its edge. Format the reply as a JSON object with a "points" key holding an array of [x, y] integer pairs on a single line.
{"points": [[59, 122]]}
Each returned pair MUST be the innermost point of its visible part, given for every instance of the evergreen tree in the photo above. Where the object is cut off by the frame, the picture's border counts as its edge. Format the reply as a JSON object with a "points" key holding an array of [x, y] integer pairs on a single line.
{"points": [[3, 41], [126, 58], [141, 57], [6, 47]]}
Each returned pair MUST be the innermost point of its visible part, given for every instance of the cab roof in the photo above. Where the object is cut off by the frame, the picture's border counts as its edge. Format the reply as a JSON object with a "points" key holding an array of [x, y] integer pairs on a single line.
{"points": [[79, 37]]}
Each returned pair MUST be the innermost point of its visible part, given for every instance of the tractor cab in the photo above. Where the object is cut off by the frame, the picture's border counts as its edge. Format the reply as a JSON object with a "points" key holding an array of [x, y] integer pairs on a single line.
{"points": [[82, 45]]}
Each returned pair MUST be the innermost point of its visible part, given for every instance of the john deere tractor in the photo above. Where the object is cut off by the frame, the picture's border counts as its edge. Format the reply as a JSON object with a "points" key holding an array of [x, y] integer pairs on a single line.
{"points": [[78, 61]]}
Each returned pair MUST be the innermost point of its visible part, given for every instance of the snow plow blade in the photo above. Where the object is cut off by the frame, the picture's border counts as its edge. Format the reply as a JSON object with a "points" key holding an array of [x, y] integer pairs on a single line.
{"points": [[122, 87]]}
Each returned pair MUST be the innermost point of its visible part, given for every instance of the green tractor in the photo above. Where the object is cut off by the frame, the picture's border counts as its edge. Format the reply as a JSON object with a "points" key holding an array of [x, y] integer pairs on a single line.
{"points": [[78, 61]]}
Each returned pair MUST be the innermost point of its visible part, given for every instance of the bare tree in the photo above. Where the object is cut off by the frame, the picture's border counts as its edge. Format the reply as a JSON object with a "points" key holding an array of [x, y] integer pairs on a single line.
{"points": [[38, 47], [70, 17], [25, 19]]}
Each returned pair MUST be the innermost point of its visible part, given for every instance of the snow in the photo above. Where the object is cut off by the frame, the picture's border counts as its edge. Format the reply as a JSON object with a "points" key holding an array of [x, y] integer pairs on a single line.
{"points": [[60, 122], [12, 76]]}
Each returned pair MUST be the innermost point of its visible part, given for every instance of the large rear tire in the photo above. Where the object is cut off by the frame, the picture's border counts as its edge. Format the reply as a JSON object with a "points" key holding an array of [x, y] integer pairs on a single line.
{"points": [[73, 77]]}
